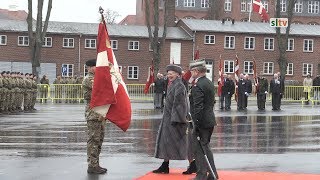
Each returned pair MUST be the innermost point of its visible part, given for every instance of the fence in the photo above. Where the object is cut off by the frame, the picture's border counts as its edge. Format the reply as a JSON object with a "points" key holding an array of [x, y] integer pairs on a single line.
{"points": [[73, 93]]}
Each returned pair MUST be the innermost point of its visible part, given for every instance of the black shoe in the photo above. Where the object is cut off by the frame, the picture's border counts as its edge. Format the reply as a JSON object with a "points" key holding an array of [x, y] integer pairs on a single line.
{"points": [[96, 170], [103, 168], [191, 169], [164, 168]]}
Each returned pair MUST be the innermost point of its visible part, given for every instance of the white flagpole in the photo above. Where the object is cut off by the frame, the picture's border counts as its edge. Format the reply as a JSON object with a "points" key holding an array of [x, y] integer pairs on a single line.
{"points": [[250, 12]]}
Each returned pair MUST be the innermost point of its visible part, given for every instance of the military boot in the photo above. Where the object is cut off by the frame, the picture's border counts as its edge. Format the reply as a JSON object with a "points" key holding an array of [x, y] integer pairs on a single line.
{"points": [[164, 168], [96, 170]]}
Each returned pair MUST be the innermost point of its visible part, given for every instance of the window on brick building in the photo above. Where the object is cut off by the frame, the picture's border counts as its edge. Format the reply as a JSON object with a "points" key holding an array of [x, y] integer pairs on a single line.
{"points": [[67, 70], [313, 7], [229, 42], [133, 72], [90, 43], [3, 40], [308, 45], [227, 5], [243, 6], [249, 6], [189, 3], [229, 66], [290, 69], [265, 5], [133, 45], [23, 41], [114, 44], [248, 67], [47, 42], [290, 44], [209, 39], [307, 69], [68, 42], [205, 4], [268, 68], [177, 3], [268, 43], [283, 5], [298, 6], [249, 43]]}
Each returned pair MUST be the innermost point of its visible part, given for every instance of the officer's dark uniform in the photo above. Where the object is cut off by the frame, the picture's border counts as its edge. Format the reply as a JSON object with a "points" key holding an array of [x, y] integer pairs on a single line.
{"points": [[229, 91], [248, 90], [241, 94], [201, 108], [262, 90], [276, 88]]}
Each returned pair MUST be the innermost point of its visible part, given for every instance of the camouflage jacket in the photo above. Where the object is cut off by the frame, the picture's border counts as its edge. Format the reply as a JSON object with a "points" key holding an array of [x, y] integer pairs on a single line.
{"points": [[87, 84]]}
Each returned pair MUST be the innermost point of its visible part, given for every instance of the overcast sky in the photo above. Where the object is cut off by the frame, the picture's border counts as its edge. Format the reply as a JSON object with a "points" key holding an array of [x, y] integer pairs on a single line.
{"points": [[78, 10]]}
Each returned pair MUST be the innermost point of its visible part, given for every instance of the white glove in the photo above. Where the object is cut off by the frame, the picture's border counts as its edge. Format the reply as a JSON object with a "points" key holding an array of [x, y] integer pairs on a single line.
{"points": [[246, 93], [266, 92]]}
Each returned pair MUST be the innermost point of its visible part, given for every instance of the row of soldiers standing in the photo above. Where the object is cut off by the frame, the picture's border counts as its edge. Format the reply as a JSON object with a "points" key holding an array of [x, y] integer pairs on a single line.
{"points": [[68, 88], [17, 90]]}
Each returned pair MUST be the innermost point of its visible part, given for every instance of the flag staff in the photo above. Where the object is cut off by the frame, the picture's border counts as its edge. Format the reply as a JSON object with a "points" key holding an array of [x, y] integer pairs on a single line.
{"points": [[250, 12]]}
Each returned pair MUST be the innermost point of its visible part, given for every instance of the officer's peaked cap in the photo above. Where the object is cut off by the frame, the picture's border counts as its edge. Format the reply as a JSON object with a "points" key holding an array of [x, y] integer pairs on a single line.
{"points": [[91, 62], [197, 63]]}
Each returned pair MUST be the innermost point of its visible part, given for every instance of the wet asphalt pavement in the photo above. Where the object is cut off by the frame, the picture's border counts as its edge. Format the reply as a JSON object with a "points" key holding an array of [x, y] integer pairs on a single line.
{"points": [[50, 143]]}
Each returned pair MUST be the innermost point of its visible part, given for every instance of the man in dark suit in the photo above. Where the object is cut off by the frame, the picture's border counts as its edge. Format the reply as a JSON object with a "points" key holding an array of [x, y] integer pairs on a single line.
{"points": [[242, 93], [201, 108], [229, 91], [276, 88], [248, 90]]}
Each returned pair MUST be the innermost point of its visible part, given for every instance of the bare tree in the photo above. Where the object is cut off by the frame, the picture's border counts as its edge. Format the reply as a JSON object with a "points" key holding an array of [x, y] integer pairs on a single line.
{"points": [[36, 37], [156, 42], [282, 39], [110, 16], [214, 9]]}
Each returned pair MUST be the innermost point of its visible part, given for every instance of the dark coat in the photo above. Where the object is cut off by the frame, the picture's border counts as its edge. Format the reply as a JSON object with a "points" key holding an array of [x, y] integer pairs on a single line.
{"points": [[228, 87], [242, 87], [159, 85], [262, 85], [276, 87], [171, 141], [202, 103]]}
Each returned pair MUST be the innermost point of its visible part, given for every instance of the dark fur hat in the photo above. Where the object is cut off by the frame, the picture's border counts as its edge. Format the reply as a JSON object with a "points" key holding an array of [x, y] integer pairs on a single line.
{"points": [[91, 62], [174, 67]]}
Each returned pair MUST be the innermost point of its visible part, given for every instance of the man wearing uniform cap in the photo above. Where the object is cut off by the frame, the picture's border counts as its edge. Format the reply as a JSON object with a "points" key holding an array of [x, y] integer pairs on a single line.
{"points": [[95, 124], [171, 141], [202, 98]]}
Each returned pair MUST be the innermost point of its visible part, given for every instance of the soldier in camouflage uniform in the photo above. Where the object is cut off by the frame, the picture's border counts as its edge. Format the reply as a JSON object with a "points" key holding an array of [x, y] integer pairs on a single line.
{"points": [[1, 93], [8, 86], [21, 91], [95, 123], [34, 91], [57, 89], [27, 93], [44, 89], [5, 92]]}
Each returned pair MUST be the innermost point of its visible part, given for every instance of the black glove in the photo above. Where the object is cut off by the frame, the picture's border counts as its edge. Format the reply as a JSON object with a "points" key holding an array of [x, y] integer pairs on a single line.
{"points": [[174, 123]]}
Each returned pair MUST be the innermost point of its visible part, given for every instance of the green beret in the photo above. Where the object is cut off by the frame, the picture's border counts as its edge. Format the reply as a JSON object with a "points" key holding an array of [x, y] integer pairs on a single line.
{"points": [[174, 67], [198, 63], [91, 62]]}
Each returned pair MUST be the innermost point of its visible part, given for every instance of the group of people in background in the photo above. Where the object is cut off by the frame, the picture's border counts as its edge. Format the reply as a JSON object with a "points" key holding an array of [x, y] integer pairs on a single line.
{"points": [[308, 82], [18, 92]]}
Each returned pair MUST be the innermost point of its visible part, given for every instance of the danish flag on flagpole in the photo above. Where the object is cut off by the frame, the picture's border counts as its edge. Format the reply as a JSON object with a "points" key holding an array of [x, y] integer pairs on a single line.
{"points": [[150, 79], [258, 7], [236, 76], [255, 78], [221, 79], [109, 97]]}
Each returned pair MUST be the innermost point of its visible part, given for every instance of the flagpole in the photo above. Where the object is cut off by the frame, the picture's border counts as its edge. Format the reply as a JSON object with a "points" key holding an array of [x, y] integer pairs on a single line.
{"points": [[250, 12]]}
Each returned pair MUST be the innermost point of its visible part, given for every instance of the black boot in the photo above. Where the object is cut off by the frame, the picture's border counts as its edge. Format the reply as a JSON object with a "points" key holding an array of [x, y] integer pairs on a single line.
{"points": [[164, 168], [192, 168]]}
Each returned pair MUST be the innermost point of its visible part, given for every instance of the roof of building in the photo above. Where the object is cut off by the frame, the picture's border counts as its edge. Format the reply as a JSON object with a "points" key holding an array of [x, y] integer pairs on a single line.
{"points": [[128, 20], [92, 29], [248, 27], [13, 15]]}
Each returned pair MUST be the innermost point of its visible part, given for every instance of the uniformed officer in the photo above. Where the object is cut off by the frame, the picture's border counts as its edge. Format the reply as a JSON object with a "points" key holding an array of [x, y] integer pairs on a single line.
{"points": [[95, 123], [262, 91], [276, 88], [242, 93], [201, 108]]}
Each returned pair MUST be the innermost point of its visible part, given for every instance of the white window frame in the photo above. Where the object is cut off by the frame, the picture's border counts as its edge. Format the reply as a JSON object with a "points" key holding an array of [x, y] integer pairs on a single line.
{"points": [[227, 5], [249, 43], [243, 5], [3, 37], [249, 6], [209, 39], [283, 5], [68, 42], [189, 3], [269, 44], [47, 42], [70, 67], [307, 68], [229, 42], [114, 44], [24, 41], [133, 76], [265, 5], [90, 43], [313, 7], [248, 67], [133, 45], [298, 6], [290, 69], [205, 4], [266, 68], [306, 45], [228, 66], [290, 44]]}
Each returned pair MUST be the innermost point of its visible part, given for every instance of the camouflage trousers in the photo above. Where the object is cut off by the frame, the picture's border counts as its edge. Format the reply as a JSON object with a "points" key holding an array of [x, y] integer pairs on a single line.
{"points": [[96, 130]]}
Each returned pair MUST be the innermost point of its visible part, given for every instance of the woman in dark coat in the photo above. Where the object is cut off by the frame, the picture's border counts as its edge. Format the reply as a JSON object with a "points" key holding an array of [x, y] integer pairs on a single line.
{"points": [[171, 141]]}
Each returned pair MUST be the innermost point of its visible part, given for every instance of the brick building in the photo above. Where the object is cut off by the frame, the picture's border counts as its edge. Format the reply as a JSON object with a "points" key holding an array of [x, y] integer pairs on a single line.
{"points": [[305, 11]]}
